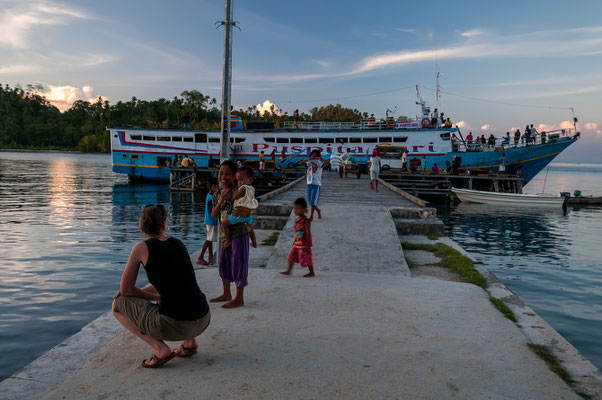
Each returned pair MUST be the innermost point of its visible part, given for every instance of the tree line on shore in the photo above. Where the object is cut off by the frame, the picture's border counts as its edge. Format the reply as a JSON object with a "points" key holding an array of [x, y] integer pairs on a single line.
{"points": [[29, 121]]}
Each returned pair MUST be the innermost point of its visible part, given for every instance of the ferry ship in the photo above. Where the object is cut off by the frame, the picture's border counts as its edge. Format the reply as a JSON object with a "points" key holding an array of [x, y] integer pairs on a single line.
{"points": [[148, 153]]}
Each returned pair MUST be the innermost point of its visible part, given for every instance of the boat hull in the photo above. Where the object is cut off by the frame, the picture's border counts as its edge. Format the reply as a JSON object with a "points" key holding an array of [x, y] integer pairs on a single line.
{"points": [[508, 199], [146, 153]]}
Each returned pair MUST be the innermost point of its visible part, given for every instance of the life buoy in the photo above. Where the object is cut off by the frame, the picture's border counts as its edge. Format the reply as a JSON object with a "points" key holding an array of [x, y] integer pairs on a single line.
{"points": [[425, 123], [390, 123]]}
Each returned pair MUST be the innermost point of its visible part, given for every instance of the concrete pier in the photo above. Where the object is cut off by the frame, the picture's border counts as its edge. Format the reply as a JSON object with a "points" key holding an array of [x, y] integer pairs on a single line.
{"points": [[363, 328]]}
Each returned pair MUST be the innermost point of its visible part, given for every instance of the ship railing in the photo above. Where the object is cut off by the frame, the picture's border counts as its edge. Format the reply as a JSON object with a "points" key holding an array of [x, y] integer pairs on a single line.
{"points": [[544, 137], [407, 123]]}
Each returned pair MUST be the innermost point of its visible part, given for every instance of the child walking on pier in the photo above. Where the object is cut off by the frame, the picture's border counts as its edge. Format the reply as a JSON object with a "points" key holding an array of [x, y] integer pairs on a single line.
{"points": [[301, 251], [210, 223]]}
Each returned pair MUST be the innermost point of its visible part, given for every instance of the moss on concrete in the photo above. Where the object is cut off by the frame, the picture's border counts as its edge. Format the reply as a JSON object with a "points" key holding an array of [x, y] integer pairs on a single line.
{"points": [[432, 236], [503, 308], [271, 240], [452, 259], [553, 363]]}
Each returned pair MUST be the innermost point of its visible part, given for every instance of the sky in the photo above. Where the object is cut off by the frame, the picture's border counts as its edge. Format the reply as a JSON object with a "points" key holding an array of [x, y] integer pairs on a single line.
{"points": [[502, 64]]}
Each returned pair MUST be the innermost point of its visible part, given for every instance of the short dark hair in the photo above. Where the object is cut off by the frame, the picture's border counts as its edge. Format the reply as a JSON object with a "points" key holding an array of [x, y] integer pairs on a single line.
{"points": [[152, 219], [230, 164], [316, 151], [301, 202], [212, 181], [248, 171]]}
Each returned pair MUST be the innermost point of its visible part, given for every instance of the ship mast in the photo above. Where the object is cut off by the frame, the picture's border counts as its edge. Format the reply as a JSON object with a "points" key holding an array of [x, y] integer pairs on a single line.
{"points": [[228, 23]]}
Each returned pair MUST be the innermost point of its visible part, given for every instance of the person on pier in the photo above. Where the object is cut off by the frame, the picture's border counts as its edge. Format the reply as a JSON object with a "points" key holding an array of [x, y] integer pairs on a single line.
{"points": [[234, 259], [315, 165], [210, 223], [301, 251], [171, 307], [374, 165]]}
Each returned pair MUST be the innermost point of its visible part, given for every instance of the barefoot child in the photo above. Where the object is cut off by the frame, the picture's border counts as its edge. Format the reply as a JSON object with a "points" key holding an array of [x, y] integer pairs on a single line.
{"points": [[301, 251], [210, 224], [244, 204]]}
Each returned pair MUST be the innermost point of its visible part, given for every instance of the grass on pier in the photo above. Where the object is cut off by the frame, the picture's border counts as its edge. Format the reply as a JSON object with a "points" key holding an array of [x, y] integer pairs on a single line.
{"points": [[553, 363], [271, 240], [453, 260], [432, 236], [503, 308]]}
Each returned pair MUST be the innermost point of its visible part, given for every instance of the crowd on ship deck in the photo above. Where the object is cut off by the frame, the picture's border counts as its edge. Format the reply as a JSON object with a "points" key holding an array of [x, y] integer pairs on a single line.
{"points": [[529, 137]]}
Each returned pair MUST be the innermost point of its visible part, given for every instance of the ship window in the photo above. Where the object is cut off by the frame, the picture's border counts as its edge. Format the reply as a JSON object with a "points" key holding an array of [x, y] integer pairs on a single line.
{"points": [[148, 138], [342, 140], [445, 136], [296, 140], [269, 139], [163, 139], [400, 139], [188, 139], [164, 162], [214, 140], [384, 139], [200, 138], [115, 136], [239, 139], [326, 140], [134, 156], [311, 140], [355, 140], [370, 140], [176, 138], [281, 140], [231, 140], [124, 155]]}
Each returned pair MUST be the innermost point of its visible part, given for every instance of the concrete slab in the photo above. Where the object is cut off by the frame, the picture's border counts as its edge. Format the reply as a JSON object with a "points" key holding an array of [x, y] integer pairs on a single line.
{"points": [[339, 335], [352, 238]]}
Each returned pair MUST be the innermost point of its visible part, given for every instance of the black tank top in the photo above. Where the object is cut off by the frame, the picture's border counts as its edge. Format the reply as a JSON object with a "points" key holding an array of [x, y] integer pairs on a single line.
{"points": [[170, 271]]}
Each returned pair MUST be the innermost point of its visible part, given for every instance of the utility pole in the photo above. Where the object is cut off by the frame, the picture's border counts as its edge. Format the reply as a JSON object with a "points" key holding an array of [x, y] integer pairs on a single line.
{"points": [[228, 23]]}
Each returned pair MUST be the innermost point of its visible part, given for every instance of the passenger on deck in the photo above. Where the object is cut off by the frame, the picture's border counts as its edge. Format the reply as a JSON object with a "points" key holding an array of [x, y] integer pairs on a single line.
{"points": [[507, 139], [435, 119], [454, 141], [442, 119], [187, 121], [516, 137], [296, 116], [527, 135], [483, 142], [491, 141], [186, 161], [448, 123], [404, 161], [469, 145], [177, 162], [435, 169]]}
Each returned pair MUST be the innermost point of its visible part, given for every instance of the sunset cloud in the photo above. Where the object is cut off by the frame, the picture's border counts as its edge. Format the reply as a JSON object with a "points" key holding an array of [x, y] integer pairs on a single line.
{"points": [[267, 106], [18, 21], [463, 125], [486, 127], [63, 97]]}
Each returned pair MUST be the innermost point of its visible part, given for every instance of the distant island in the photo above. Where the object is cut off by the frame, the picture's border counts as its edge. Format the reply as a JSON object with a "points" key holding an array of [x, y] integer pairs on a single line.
{"points": [[29, 121]]}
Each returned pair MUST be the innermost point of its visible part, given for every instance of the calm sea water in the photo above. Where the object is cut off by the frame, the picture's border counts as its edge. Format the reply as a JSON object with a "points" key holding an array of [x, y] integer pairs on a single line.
{"points": [[67, 224], [550, 260]]}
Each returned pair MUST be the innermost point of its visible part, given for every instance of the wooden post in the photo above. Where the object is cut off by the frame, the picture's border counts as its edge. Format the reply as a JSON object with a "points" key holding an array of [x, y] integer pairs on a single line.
{"points": [[496, 186], [470, 183]]}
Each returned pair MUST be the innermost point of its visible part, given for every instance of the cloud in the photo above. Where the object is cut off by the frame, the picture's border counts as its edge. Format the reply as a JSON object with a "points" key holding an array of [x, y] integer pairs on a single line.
{"points": [[463, 124], [554, 127], [405, 30], [62, 97], [16, 22], [267, 106], [15, 69], [473, 44], [592, 127], [486, 127]]}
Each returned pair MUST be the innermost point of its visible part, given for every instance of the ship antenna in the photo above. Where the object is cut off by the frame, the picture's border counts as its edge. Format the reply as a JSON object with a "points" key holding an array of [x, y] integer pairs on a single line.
{"points": [[438, 93]]}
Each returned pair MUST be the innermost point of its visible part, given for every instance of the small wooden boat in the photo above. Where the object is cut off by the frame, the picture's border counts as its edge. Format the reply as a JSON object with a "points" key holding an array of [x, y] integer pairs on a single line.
{"points": [[584, 200], [508, 199]]}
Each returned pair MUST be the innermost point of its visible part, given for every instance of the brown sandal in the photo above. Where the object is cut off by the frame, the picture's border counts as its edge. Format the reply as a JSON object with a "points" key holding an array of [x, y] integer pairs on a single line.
{"points": [[185, 351], [158, 361]]}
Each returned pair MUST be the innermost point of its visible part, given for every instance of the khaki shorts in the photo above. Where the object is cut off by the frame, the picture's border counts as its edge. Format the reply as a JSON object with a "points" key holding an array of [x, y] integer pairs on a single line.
{"points": [[146, 317]]}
